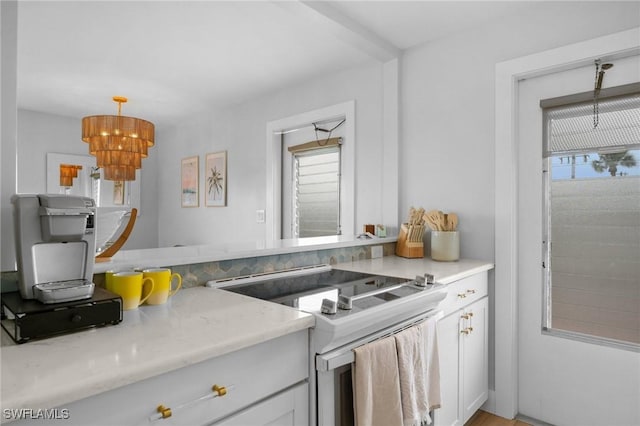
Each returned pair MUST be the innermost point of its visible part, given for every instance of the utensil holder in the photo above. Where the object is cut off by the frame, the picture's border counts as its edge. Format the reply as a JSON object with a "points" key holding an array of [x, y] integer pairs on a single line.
{"points": [[445, 246], [410, 242]]}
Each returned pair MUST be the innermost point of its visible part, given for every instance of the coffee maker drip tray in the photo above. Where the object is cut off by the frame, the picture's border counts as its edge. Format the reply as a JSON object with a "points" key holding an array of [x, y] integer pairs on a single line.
{"points": [[63, 291], [27, 319]]}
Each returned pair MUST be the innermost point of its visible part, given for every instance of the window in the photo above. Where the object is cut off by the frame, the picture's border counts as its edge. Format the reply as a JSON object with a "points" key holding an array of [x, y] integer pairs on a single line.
{"points": [[316, 189], [592, 218], [294, 130]]}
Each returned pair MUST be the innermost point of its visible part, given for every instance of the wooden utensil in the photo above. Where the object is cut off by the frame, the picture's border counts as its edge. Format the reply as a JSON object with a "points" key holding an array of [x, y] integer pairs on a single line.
{"points": [[452, 221], [441, 221], [433, 220]]}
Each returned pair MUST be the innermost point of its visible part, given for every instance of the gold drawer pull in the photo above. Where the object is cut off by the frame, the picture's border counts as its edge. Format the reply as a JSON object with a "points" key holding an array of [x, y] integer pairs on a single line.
{"points": [[462, 295], [471, 291], [165, 412], [465, 331], [466, 316], [220, 390]]}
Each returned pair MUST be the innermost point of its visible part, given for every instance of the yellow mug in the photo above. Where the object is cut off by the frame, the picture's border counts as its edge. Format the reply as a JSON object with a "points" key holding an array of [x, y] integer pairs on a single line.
{"points": [[108, 279], [129, 285], [163, 278]]}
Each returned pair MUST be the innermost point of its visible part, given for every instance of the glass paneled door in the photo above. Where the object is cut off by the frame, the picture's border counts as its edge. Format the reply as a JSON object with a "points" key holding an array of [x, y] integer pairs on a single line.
{"points": [[562, 380]]}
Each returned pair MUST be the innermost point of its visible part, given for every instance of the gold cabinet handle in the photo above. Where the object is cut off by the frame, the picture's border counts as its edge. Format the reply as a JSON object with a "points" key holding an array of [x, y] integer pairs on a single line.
{"points": [[465, 331], [165, 412], [462, 295], [465, 316], [471, 291], [219, 390]]}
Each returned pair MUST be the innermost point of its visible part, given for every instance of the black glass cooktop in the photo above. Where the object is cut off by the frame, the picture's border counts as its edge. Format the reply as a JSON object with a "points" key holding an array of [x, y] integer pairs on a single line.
{"points": [[306, 292]]}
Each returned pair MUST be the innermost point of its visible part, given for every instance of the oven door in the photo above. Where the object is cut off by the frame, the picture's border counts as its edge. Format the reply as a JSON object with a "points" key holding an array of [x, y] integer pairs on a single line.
{"points": [[335, 397], [334, 384]]}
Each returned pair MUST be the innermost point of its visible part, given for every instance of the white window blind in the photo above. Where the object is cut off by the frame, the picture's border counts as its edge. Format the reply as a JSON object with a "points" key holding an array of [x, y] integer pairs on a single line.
{"points": [[592, 233], [316, 189], [570, 128]]}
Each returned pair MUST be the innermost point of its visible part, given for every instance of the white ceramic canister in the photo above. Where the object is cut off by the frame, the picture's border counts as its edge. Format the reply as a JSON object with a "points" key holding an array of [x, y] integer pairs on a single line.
{"points": [[445, 245]]}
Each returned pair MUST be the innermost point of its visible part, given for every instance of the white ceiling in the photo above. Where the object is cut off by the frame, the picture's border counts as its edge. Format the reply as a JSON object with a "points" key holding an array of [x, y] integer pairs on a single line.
{"points": [[173, 58]]}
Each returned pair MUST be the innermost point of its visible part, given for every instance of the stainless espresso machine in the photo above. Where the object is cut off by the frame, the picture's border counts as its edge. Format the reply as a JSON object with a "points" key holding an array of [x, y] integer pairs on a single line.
{"points": [[55, 246], [55, 252]]}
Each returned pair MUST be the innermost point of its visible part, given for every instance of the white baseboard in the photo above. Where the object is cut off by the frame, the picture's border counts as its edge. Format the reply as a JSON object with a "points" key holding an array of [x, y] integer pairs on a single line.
{"points": [[490, 404], [490, 407]]}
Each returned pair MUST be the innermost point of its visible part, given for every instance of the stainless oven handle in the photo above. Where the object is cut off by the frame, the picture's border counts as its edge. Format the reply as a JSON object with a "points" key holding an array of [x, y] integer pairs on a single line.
{"points": [[346, 302], [331, 362], [344, 355]]}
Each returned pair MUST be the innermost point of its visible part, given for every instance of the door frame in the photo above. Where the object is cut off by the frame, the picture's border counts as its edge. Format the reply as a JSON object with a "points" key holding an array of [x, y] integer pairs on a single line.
{"points": [[503, 401]]}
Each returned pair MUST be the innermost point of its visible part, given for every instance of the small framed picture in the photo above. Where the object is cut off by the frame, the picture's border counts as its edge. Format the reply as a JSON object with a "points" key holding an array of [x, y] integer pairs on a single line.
{"points": [[118, 193], [189, 182], [216, 179]]}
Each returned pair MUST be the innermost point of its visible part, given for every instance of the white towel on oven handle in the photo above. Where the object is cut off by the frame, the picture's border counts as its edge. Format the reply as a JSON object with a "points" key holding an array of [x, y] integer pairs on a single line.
{"points": [[376, 390], [419, 372], [430, 335]]}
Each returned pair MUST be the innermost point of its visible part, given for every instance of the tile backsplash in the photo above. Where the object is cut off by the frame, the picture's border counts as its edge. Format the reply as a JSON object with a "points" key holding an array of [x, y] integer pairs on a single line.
{"points": [[198, 274]]}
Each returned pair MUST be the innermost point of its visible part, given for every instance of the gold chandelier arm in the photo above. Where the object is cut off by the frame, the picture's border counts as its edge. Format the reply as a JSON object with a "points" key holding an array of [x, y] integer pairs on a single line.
{"points": [[113, 249]]}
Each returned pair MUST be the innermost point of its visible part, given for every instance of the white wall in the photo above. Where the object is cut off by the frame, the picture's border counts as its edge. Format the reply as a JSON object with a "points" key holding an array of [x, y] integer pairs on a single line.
{"points": [[8, 90], [40, 133], [447, 112], [241, 131]]}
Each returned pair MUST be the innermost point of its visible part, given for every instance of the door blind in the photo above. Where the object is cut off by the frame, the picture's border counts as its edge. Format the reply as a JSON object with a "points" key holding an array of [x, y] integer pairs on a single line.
{"points": [[593, 221]]}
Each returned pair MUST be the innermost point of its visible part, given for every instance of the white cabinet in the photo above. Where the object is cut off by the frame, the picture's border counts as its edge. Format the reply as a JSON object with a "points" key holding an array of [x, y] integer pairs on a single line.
{"points": [[475, 357], [448, 348], [464, 351], [266, 384], [288, 408]]}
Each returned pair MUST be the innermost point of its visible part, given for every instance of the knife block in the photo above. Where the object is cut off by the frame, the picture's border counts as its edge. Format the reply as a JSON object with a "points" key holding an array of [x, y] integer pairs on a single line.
{"points": [[410, 244]]}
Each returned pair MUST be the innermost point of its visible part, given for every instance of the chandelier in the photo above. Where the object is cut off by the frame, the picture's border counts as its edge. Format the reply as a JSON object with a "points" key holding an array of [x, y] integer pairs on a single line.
{"points": [[119, 143]]}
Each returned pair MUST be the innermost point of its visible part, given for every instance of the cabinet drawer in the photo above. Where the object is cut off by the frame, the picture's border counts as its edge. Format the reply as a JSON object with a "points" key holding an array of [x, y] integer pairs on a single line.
{"points": [[290, 408], [465, 291], [250, 375]]}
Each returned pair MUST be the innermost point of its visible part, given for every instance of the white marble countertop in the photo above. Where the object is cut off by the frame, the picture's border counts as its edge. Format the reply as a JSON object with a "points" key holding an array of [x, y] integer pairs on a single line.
{"points": [[173, 256], [393, 266], [195, 325]]}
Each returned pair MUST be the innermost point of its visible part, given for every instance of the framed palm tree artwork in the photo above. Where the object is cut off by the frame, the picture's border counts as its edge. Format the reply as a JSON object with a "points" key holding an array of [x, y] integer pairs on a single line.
{"points": [[216, 179]]}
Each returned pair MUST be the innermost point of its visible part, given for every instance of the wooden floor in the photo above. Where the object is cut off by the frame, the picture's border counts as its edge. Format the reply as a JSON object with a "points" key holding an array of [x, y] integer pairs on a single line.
{"points": [[482, 418]]}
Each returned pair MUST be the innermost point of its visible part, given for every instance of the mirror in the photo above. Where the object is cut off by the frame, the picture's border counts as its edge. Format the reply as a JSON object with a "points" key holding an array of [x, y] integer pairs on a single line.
{"points": [[89, 182], [237, 127]]}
